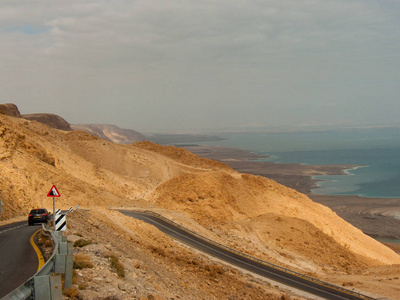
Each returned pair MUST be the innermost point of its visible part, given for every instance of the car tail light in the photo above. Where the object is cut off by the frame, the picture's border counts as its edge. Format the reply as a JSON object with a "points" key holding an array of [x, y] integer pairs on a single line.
{"points": [[44, 215]]}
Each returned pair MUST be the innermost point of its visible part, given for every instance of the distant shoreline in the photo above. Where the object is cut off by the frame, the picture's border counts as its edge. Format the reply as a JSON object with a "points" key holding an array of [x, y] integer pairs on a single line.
{"points": [[182, 138], [345, 172], [377, 217], [354, 168], [294, 175]]}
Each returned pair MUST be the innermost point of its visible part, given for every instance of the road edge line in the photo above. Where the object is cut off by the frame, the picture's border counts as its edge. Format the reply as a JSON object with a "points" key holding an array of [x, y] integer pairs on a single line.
{"points": [[37, 250]]}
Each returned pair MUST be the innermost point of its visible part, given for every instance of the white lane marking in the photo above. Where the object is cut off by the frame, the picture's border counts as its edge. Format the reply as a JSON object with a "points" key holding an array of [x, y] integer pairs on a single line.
{"points": [[257, 267], [12, 228]]}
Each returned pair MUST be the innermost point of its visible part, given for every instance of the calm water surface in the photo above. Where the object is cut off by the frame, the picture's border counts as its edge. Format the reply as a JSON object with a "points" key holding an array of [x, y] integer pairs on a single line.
{"points": [[377, 150]]}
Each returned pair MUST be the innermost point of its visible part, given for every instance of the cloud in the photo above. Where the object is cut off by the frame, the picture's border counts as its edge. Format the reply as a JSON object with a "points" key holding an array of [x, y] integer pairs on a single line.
{"points": [[27, 29], [165, 64]]}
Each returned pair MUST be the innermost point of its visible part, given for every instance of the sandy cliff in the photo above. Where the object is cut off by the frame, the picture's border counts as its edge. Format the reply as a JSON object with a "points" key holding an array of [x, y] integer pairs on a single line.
{"points": [[250, 213], [111, 133]]}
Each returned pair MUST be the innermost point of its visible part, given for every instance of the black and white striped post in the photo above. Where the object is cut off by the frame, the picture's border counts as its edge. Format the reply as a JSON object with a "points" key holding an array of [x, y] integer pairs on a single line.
{"points": [[61, 223]]}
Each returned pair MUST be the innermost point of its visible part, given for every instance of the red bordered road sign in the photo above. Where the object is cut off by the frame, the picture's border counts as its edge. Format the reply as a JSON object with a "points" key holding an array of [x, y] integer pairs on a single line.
{"points": [[53, 192]]}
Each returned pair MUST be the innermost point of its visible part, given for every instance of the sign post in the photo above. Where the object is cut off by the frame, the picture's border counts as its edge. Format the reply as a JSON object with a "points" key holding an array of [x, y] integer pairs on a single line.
{"points": [[54, 193], [1, 208]]}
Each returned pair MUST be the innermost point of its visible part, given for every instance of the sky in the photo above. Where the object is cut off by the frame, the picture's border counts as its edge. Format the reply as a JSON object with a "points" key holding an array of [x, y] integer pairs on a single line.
{"points": [[158, 66]]}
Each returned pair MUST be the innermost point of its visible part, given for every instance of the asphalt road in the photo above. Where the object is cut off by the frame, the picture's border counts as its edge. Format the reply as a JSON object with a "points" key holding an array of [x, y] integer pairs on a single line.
{"points": [[297, 281], [18, 259]]}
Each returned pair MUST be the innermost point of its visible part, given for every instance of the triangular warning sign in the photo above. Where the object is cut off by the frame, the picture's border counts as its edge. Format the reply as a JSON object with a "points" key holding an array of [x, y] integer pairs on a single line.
{"points": [[53, 192]]}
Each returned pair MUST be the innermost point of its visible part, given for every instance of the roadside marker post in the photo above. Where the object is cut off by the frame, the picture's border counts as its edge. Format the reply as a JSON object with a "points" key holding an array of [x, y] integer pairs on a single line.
{"points": [[1, 208], [54, 193], [61, 223]]}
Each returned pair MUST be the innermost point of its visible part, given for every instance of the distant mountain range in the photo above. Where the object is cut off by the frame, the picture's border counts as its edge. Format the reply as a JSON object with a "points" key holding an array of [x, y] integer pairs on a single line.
{"points": [[110, 133]]}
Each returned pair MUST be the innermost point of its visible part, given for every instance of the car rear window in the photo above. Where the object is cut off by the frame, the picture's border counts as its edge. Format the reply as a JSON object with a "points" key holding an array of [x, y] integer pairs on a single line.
{"points": [[38, 211]]}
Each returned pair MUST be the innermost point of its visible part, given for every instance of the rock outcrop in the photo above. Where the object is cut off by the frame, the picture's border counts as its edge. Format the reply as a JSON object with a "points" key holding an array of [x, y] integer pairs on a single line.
{"points": [[10, 109], [51, 120]]}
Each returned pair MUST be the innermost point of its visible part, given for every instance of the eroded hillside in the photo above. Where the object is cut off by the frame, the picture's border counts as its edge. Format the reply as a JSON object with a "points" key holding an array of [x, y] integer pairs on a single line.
{"points": [[250, 213], [111, 133], [87, 170]]}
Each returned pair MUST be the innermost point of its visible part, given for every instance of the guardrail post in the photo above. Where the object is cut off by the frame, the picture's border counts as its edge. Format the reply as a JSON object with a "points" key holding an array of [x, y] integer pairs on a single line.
{"points": [[55, 287], [41, 287], [63, 248], [60, 263], [70, 249], [61, 255], [69, 263], [60, 236]]}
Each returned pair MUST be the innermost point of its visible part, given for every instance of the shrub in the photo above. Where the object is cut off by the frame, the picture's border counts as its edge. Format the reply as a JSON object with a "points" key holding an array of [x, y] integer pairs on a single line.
{"points": [[157, 250], [116, 266], [82, 261], [48, 244], [72, 293], [82, 243]]}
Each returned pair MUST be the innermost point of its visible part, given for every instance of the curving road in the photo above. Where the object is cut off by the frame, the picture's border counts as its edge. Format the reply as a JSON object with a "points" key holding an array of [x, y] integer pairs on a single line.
{"points": [[18, 259], [318, 288]]}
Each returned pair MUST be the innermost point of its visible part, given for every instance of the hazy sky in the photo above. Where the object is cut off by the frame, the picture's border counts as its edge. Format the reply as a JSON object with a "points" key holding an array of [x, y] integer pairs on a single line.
{"points": [[200, 65]]}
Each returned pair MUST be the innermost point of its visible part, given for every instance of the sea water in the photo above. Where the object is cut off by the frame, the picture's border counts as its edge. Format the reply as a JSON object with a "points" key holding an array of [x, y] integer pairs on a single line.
{"points": [[376, 151]]}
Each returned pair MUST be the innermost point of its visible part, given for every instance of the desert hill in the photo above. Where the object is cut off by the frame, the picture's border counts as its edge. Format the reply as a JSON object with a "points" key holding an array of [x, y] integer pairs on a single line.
{"points": [[111, 133], [250, 213], [52, 120]]}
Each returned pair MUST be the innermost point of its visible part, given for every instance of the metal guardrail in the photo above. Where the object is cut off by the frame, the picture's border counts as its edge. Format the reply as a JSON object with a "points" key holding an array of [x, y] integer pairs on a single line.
{"points": [[26, 290], [256, 259]]}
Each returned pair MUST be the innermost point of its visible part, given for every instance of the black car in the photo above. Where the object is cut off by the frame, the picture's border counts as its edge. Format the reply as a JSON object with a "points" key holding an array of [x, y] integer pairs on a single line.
{"points": [[39, 215]]}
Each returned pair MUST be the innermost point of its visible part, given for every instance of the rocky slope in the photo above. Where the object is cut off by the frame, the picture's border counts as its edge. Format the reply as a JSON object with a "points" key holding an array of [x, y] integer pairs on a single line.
{"points": [[111, 133], [250, 213], [151, 265]]}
